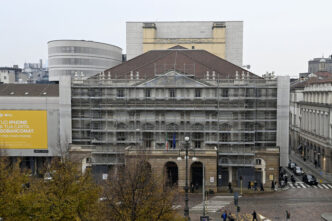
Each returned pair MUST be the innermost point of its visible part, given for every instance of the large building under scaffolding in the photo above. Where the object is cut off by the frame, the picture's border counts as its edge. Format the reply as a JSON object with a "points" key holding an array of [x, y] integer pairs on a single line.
{"points": [[237, 121]]}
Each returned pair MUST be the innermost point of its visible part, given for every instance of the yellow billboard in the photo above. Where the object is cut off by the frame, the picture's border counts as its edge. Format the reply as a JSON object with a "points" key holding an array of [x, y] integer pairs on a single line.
{"points": [[23, 129]]}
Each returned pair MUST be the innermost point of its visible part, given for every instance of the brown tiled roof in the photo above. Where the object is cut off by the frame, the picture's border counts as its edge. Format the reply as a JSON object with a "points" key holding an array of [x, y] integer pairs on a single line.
{"points": [[29, 90], [324, 74], [191, 62], [321, 81]]}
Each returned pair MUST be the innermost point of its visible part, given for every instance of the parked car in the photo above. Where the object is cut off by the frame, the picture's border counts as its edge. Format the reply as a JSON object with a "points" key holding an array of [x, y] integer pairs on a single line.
{"points": [[309, 179], [291, 165], [298, 171]]}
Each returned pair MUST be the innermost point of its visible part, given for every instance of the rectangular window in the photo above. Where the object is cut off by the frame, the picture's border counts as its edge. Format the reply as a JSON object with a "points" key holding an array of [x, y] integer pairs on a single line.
{"points": [[224, 93], [197, 92], [172, 93], [120, 93], [197, 144], [147, 92], [120, 136]]}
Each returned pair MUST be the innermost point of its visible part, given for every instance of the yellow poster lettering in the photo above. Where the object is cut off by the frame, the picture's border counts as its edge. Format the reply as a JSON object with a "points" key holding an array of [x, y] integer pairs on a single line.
{"points": [[23, 129]]}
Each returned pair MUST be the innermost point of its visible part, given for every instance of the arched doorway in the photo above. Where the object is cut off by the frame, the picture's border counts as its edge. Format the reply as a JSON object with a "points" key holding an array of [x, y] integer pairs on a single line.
{"points": [[197, 174], [171, 174]]}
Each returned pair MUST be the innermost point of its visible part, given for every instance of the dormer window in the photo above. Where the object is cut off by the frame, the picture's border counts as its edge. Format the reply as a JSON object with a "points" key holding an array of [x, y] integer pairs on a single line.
{"points": [[12, 93], [26, 93]]}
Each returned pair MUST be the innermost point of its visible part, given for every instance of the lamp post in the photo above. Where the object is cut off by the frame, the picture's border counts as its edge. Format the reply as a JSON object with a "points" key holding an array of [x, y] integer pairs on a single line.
{"points": [[186, 207]]}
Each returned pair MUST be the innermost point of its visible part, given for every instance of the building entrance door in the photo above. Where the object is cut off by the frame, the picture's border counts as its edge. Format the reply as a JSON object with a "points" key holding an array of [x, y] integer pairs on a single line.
{"points": [[171, 174], [197, 174]]}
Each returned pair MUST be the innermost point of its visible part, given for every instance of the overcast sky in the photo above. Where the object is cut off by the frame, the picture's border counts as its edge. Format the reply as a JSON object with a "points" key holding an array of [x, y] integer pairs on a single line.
{"points": [[279, 36]]}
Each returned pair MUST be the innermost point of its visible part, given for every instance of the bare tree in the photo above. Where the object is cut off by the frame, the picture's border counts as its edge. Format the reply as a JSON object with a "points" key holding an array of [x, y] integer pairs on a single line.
{"points": [[134, 193]]}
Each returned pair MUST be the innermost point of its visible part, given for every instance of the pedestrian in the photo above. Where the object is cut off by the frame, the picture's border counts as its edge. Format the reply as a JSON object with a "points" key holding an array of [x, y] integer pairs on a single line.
{"points": [[276, 185], [230, 187], [272, 185], [224, 215], [286, 180], [254, 216], [287, 215], [192, 187], [230, 217], [248, 185], [255, 185], [251, 184], [262, 187]]}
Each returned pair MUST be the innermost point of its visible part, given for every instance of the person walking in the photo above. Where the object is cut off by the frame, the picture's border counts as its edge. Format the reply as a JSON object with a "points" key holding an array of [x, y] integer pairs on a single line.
{"points": [[287, 215], [224, 215], [230, 187], [262, 187], [248, 185], [231, 217], [254, 216], [255, 185], [272, 185]]}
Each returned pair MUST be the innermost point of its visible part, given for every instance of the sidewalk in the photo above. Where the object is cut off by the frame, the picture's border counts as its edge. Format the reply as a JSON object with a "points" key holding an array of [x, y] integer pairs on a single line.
{"points": [[309, 167]]}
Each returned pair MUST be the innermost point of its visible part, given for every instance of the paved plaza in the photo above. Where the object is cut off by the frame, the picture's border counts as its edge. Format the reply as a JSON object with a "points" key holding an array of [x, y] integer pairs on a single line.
{"points": [[303, 202]]}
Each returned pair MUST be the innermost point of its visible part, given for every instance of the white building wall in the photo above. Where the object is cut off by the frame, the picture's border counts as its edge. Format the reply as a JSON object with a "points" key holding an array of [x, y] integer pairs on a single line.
{"points": [[283, 119], [67, 57]]}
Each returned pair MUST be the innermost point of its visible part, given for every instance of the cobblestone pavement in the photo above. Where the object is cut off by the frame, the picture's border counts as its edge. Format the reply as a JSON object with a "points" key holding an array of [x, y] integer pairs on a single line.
{"points": [[302, 203]]}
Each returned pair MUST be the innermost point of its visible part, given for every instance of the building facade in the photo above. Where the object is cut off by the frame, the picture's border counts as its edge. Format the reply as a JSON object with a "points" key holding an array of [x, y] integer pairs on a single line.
{"points": [[320, 65], [79, 58], [29, 123], [237, 122], [221, 38], [36, 72], [11, 75], [310, 125]]}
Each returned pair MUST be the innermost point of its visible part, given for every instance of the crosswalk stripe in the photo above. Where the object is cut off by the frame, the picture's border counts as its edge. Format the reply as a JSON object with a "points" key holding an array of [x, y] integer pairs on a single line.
{"points": [[315, 187], [302, 185], [291, 185], [325, 186], [329, 185], [320, 186], [307, 185], [298, 186]]}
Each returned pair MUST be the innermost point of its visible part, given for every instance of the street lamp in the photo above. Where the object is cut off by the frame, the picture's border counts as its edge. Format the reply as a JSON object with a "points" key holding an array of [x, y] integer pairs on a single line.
{"points": [[186, 188], [186, 207]]}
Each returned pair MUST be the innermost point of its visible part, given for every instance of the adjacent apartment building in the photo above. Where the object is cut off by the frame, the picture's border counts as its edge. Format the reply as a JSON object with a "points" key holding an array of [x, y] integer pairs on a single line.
{"points": [[237, 122], [221, 38], [311, 120]]}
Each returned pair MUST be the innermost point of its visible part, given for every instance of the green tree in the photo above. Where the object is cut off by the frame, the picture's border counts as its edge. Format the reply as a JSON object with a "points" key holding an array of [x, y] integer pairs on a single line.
{"points": [[68, 195], [13, 189]]}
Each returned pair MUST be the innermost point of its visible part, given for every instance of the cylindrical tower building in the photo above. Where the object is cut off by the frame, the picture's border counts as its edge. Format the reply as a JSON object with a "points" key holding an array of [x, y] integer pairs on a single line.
{"points": [[79, 57]]}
